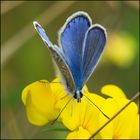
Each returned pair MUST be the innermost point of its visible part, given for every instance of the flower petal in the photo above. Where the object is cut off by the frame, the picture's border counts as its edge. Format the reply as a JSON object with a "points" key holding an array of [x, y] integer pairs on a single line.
{"points": [[109, 107], [113, 91], [57, 89], [127, 120], [81, 133], [119, 53], [81, 114], [122, 126], [39, 102], [135, 131]]}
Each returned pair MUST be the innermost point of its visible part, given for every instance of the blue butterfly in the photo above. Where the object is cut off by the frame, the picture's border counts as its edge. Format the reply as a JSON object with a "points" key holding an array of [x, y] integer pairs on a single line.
{"points": [[80, 47]]}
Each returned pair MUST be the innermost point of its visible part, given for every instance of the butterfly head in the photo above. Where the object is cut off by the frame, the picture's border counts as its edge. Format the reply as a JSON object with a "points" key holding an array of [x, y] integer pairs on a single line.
{"points": [[78, 95]]}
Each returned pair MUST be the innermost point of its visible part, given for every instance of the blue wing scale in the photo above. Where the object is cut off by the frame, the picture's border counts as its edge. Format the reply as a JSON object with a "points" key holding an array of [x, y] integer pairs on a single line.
{"points": [[71, 40], [59, 58], [94, 45]]}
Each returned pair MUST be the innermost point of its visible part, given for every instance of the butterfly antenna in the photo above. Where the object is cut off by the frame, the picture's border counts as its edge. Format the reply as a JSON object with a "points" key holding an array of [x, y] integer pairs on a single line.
{"points": [[132, 99], [61, 111], [96, 106], [41, 81], [64, 97]]}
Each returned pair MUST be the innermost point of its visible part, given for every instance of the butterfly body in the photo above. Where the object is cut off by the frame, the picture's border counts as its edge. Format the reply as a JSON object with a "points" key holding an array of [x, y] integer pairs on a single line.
{"points": [[81, 45], [78, 95]]}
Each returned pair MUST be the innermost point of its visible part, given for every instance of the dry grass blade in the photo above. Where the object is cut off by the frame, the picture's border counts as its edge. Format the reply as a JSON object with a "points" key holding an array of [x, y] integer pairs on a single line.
{"points": [[6, 6], [132, 99], [14, 43]]}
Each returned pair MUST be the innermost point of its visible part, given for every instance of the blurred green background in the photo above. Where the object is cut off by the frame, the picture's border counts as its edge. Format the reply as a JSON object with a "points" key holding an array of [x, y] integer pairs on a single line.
{"points": [[25, 59]]}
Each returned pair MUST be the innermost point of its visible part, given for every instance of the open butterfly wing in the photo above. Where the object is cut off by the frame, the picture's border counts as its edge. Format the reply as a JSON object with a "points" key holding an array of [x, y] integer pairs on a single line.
{"points": [[59, 58], [94, 44], [63, 67], [71, 40], [42, 34]]}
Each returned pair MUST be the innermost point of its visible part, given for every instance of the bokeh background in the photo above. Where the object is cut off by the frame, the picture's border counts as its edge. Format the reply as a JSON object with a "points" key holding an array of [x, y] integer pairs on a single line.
{"points": [[25, 59]]}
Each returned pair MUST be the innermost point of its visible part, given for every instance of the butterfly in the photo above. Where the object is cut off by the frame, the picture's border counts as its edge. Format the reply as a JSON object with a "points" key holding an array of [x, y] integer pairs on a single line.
{"points": [[81, 45]]}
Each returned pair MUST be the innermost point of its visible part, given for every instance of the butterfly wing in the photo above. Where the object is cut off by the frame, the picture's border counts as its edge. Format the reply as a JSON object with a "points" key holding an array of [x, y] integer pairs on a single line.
{"points": [[94, 44], [71, 40], [42, 34], [63, 67], [59, 58]]}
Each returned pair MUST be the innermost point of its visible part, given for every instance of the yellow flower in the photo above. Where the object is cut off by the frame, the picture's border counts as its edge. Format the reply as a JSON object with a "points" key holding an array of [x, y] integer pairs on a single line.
{"points": [[43, 102], [126, 124], [39, 102], [81, 118], [40, 98], [86, 119], [80, 133], [121, 49]]}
